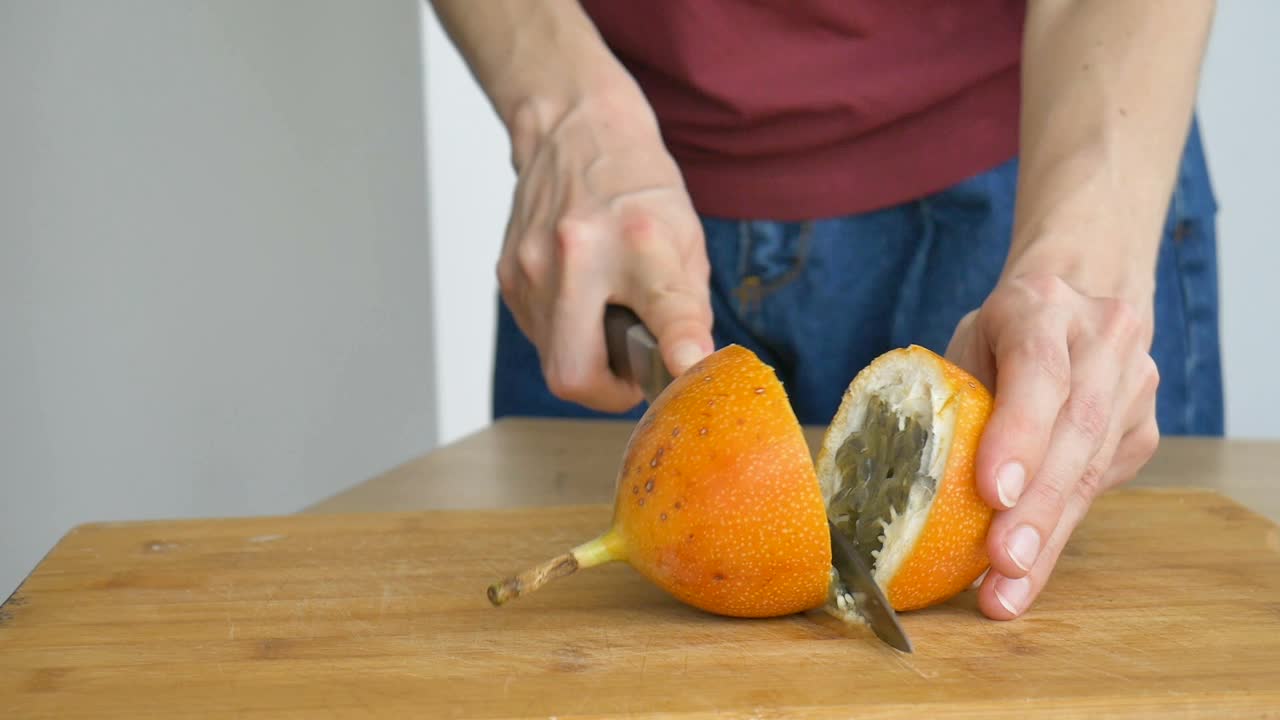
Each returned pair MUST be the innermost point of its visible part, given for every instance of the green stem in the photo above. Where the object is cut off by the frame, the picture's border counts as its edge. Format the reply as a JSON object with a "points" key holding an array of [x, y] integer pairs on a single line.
{"points": [[603, 549]]}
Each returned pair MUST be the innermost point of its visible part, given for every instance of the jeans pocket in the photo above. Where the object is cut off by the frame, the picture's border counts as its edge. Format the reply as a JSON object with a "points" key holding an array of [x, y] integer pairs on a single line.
{"points": [[772, 255]]}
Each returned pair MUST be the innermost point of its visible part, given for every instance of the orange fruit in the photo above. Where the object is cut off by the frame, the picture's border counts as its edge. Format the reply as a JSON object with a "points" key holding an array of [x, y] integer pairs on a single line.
{"points": [[897, 474], [717, 501]]}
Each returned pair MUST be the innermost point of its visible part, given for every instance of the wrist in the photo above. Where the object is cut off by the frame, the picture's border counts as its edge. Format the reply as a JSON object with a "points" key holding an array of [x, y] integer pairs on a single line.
{"points": [[612, 104], [1076, 218], [1118, 271]]}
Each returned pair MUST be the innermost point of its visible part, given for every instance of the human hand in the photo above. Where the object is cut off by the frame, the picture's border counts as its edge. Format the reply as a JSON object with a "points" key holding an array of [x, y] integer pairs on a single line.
{"points": [[1074, 415], [600, 216]]}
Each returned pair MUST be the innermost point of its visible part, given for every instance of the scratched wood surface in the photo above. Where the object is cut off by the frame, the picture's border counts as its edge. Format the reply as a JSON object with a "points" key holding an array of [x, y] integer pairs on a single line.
{"points": [[1167, 603]]}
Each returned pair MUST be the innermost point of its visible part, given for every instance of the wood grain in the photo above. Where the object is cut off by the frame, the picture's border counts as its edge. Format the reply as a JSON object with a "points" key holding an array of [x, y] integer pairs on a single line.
{"points": [[1166, 603], [530, 463]]}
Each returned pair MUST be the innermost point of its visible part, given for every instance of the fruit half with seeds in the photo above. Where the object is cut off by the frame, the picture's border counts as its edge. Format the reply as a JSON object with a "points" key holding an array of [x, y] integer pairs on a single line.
{"points": [[897, 473], [717, 501]]}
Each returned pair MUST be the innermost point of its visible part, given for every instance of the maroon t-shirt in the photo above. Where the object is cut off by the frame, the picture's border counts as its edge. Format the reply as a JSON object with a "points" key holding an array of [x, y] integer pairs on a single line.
{"points": [[802, 109]]}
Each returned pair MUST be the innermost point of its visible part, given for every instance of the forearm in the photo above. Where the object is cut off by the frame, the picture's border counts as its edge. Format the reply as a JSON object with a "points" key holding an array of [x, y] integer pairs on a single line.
{"points": [[536, 61], [1108, 91]]}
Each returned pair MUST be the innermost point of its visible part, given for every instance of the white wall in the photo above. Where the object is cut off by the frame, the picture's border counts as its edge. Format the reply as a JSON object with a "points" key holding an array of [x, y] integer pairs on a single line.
{"points": [[471, 184], [214, 277], [471, 181], [1240, 112]]}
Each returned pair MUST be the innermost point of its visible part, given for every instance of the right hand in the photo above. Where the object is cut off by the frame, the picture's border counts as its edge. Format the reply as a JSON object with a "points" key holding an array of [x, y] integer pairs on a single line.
{"points": [[600, 216]]}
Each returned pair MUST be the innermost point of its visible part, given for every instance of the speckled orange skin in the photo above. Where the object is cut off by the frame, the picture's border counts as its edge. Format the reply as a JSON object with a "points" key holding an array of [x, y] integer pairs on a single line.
{"points": [[718, 502], [951, 550]]}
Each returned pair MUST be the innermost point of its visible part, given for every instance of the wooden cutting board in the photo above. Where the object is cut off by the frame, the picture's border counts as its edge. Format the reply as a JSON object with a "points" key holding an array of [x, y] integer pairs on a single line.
{"points": [[1165, 603]]}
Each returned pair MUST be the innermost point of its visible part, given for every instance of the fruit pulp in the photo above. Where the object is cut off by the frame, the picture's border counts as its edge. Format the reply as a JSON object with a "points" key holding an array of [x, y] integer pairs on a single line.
{"points": [[880, 469]]}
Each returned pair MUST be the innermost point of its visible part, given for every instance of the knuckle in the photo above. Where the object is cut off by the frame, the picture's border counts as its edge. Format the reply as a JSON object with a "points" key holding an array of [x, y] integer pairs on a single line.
{"points": [[639, 231], [1146, 440], [1047, 354], [571, 238], [1019, 422], [564, 385], [530, 260], [1045, 287], [1086, 414], [1048, 493], [506, 274], [639, 226], [1120, 319], [1091, 480], [672, 303], [1149, 374]]}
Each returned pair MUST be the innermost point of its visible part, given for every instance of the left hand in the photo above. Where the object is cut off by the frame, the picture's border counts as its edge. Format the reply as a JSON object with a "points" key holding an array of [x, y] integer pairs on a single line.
{"points": [[1074, 415]]}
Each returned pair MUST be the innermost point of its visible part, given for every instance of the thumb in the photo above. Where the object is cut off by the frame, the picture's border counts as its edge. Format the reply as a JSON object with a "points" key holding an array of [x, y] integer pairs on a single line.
{"points": [[680, 318]]}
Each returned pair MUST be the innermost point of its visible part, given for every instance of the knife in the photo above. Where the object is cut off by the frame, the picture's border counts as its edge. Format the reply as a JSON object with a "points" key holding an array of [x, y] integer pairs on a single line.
{"points": [[868, 599], [633, 351], [634, 355]]}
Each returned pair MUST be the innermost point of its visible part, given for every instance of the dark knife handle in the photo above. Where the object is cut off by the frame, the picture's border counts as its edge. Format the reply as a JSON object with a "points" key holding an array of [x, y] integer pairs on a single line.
{"points": [[618, 319]]}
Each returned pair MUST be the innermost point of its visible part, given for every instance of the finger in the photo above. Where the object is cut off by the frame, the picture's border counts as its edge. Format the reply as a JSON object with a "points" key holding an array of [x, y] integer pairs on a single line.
{"points": [[1033, 380], [1142, 438], [525, 263], [968, 349], [681, 319], [575, 360], [1078, 454], [1135, 451], [1137, 435], [1002, 597], [514, 285], [671, 295]]}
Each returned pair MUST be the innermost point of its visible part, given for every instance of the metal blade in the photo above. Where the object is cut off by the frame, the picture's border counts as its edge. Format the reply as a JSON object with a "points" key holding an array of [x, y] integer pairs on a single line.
{"points": [[647, 366], [869, 599]]}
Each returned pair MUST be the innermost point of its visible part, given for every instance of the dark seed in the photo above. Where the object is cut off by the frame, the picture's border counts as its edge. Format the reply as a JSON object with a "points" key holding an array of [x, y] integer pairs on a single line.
{"points": [[879, 464]]}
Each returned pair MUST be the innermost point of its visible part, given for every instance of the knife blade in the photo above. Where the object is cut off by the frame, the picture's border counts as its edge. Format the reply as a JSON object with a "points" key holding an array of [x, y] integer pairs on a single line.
{"points": [[869, 599], [634, 355]]}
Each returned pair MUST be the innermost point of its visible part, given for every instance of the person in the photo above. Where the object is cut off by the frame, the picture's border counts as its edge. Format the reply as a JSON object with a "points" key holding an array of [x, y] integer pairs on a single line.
{"points": [[1018, 184]]}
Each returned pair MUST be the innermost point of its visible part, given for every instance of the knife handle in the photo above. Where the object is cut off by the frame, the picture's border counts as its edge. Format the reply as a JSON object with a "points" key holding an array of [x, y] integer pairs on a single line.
{"points": [[618, 319]]}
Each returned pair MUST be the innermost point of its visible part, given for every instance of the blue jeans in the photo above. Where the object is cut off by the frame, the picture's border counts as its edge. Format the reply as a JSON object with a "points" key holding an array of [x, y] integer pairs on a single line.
{"points": [[819, 300]]}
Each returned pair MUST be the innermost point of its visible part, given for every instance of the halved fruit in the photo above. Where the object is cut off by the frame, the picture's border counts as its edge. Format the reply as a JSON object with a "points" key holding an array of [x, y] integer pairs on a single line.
{"points": [[719, 503], [716, 501], [897, 473]]}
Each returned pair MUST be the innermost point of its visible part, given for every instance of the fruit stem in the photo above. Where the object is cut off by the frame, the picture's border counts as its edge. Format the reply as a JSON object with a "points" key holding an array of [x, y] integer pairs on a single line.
{"points": [[603, 549]]}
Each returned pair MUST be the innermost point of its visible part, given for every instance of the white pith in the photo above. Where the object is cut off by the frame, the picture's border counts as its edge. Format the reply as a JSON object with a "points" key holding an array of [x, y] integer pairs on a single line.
{"points": [[917, 390]]}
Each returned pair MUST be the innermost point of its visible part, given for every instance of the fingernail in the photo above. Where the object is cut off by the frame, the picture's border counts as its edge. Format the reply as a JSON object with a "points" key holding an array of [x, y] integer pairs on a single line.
{"points": [[977, 582], [1023, 546], [686, 354], [1011, 478], [1013, 592]]}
